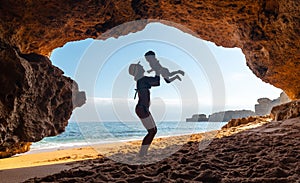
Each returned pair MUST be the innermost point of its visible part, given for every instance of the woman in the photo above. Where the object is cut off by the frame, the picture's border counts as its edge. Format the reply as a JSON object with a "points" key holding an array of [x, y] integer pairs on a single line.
{"points": [[143, 85]]}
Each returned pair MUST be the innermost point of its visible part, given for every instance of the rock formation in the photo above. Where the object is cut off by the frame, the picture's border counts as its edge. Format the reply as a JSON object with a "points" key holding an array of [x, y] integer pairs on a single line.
{"points": [[36, 100], [259, 120], [197, 118], [286, 111], [267, 31], [228, 115], [265, 105]]}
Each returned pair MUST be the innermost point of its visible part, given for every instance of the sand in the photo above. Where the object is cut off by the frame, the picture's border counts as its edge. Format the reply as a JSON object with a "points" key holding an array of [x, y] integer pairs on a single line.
{"points": [[38, 164], [270, 152], [22, 167]]}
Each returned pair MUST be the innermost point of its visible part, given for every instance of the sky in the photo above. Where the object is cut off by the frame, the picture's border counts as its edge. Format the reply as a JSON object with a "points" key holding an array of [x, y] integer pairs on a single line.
{"points": [[216, 78]]}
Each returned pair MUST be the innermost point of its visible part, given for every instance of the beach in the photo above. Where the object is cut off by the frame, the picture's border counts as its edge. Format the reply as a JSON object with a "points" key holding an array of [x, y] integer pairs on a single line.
{"points": [[22, 167], [258, 151]]}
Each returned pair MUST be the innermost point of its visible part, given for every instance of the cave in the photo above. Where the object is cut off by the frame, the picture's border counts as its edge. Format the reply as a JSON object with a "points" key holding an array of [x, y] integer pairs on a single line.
{"points": [[37, 100]]}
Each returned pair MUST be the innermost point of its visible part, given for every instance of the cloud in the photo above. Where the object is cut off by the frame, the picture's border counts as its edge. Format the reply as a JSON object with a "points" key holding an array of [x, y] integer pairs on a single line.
{"points": [[239, 76], [154, 101], [106, 101], [123, 109]]}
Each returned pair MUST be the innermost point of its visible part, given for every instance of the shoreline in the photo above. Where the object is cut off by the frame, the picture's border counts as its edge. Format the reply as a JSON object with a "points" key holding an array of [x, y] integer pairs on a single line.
{"points": [[83, 140], [50, 149]]}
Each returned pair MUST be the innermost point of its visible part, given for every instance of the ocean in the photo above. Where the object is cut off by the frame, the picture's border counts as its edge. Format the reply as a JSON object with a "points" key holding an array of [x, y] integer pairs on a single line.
{"points": [[79, 134]]}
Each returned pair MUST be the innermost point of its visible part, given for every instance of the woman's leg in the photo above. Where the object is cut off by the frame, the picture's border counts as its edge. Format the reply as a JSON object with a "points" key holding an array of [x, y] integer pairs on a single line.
{"points": [[148, 122], [150, 136], [147, 142]]}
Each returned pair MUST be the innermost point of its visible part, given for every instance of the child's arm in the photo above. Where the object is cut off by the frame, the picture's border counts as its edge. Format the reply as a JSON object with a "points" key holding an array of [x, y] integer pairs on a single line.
{"points": [[151, 70]]}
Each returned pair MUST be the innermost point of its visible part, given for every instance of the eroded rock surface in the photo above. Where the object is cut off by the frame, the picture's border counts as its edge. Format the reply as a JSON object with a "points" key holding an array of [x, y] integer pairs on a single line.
{"points": [[36, 100], [286, 111], [267, 31]]}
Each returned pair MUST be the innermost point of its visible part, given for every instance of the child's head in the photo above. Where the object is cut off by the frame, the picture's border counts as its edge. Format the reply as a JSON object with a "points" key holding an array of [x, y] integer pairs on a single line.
{"points": [[150, 53], [150, 56]]}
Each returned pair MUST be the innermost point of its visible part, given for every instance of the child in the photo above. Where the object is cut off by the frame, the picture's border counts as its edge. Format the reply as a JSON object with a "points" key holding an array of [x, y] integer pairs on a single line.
{"points": [[165, 73]]}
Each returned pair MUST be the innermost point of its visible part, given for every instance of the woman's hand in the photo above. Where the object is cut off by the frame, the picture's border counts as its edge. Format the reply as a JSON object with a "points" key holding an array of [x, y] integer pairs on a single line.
{"points": [[157, 72]]}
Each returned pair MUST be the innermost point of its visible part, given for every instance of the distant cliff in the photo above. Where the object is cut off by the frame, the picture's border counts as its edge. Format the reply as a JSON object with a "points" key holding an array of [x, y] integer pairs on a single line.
{"points": [[228, 115], [197, 118], [265, 105]]}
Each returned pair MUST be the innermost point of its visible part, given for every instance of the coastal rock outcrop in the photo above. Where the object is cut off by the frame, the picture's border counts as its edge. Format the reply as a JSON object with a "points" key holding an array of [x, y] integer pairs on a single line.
{"points": [[265, 105], [228, 115], [268, 33], [197, 118]]}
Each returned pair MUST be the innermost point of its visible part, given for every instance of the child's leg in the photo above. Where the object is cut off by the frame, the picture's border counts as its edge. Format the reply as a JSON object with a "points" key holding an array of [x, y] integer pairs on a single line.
{"points": [[164, 73], [151, 70], [169, 80], [176, 72]]}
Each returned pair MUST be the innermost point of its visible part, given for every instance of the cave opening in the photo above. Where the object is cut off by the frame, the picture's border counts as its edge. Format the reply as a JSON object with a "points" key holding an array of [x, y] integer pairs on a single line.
{"points": [[110, 89], [241, 87]]}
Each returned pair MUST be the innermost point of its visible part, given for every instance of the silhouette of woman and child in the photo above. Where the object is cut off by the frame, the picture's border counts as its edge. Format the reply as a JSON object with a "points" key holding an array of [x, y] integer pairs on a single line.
{"points": [[143, 85]]}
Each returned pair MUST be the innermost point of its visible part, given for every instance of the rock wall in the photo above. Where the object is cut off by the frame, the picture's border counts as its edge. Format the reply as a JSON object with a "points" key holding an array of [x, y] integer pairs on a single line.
{"points": [[267, 31], [237, 125], [36, 100], [286, 111]]}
